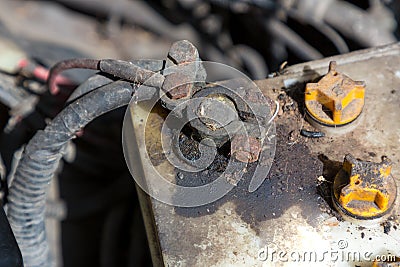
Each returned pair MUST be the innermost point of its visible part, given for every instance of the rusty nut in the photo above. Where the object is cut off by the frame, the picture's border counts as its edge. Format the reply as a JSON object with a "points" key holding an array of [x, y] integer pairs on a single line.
{"points": [[245, 148], [182, 70], [177, 85]]}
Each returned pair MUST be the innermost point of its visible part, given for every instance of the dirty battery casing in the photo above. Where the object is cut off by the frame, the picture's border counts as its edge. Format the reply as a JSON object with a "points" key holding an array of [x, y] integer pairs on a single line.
{"points": [[289, 220]]}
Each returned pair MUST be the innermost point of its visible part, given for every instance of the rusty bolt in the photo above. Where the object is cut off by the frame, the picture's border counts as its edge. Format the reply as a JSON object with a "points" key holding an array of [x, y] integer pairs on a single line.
{"points": [[179, 84], [183, 52], [364, 190], [336, 99], [245, 148]]}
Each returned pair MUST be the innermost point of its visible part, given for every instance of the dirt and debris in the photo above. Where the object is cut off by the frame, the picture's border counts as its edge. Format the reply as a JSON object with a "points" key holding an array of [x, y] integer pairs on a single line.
{"points": [[386, 227], [189, 146], [292, 177], [311, 134]]}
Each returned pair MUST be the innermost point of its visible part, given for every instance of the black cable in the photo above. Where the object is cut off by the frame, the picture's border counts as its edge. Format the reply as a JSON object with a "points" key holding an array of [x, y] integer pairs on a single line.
{"points": [[292, 40], [40, 160], [252, 61]]}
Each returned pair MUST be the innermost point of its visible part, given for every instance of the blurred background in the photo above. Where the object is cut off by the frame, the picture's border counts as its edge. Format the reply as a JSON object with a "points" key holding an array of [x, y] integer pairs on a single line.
{"points": [[94, 215]]}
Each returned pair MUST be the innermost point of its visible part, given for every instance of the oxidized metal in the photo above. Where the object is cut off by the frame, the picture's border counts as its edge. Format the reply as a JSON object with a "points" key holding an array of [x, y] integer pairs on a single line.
{"points": [[245, 148]]}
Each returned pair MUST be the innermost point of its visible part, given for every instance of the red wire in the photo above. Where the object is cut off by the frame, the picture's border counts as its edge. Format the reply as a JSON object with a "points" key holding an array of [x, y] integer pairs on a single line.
{"points": [[41, 73]]}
